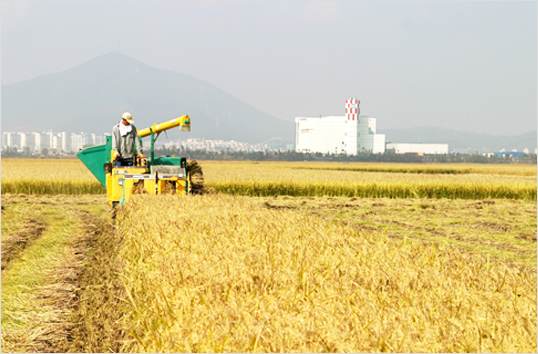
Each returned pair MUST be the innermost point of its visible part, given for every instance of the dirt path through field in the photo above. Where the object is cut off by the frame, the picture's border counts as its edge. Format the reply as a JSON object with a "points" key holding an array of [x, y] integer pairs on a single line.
{"points": [[45, 258]]}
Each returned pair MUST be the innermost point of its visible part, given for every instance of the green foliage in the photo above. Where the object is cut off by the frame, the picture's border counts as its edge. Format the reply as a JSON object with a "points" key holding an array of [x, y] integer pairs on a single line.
{"points": [[225, 155]]}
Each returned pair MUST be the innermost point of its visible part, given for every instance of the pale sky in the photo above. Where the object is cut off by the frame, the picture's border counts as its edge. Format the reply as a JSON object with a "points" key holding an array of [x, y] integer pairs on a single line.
{"points": [[465, 66]]}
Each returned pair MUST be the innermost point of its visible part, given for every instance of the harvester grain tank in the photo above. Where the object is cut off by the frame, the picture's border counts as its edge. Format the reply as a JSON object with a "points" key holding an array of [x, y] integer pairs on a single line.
{"points": [[153, 175]]}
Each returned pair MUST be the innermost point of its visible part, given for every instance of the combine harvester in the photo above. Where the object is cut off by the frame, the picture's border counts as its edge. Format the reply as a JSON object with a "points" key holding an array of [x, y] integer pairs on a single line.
{"points": [[156, 175]]}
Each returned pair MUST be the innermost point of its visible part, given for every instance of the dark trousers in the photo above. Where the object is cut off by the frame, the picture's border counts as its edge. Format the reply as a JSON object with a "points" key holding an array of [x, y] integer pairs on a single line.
{"points": [[124, 162]]}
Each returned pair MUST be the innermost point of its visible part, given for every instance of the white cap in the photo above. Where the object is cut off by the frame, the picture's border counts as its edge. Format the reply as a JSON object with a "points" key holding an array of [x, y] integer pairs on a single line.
{"points": [[127, 116]]}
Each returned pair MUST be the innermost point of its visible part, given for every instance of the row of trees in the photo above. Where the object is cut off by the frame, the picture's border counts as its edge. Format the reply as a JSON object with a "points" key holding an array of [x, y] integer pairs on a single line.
{"points": [[227, 155], [26, 152], [363, 157]]}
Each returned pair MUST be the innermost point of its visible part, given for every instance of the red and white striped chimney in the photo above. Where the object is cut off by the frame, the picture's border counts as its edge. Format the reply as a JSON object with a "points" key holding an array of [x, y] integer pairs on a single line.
{"points": [[352, 109]]}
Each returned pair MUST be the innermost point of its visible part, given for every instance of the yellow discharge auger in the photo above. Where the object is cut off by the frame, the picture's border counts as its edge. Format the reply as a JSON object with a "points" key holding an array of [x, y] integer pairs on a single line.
{"points": [[153, 175]]}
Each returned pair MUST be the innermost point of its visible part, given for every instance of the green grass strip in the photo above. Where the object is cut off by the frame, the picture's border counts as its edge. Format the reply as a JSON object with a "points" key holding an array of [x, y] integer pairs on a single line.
{"points": [[266, 189], [417, 170], [52, 187], [427, 170]]}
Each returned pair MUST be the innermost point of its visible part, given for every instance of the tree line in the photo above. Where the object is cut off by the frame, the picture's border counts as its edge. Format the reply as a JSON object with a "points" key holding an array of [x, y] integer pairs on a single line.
{"points": [[229, 155]]}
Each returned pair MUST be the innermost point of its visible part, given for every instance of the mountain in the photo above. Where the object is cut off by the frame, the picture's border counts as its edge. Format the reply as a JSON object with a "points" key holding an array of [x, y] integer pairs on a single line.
{"points": [[462, 141], [92, 97]]}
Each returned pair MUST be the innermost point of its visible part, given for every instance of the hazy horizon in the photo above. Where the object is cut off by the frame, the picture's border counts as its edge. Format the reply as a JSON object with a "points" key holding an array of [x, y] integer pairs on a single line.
{"points": [[464, 66]]}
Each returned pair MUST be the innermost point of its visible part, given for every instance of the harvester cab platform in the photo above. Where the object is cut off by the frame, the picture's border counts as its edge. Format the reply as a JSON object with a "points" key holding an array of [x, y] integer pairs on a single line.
{"points": [[153, 175]]}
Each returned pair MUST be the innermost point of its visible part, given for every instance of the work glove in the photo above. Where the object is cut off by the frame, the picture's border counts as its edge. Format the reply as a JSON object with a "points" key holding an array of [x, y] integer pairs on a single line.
{"points": [[116, 156]]}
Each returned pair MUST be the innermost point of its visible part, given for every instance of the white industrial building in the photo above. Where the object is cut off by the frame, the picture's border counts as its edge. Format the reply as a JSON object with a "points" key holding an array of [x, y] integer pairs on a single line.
{"points": [[405, 148], [350, 134]]}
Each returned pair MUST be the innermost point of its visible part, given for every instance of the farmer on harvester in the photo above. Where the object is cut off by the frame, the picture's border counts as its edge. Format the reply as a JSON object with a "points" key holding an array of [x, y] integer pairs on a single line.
{"points": [[124, 137]]}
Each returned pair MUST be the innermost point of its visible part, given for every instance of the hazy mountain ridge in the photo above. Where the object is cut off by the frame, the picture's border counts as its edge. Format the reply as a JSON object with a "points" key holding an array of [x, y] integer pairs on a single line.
{"points": [[462, 141], [92, 96]]}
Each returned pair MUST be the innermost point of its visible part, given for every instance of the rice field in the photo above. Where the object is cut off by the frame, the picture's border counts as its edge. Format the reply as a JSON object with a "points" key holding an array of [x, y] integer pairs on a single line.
{"points": [[14, 169], [48, 176], [433, 168], [287, 179], [297, 179], [278, 257], [224, 274]]}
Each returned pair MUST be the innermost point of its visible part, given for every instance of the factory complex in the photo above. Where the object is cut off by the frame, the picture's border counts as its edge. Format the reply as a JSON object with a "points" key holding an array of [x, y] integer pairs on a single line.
{"points": [[406, 148], [351, 134]]}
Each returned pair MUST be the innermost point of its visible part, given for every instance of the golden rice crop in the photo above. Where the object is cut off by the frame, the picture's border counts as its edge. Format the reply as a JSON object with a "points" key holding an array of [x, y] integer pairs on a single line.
{"points": [[40, 176], [35, 186], [48, 176], [394, 167], [269, 180], [375, 190], [221, 274], [429, 169], [45, 169], [274, 172]]}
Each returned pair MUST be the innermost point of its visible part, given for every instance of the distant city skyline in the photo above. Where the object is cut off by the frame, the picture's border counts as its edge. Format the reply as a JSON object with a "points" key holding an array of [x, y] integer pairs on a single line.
{"points": [[60, 142], [68, 142], [466, 66]]}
